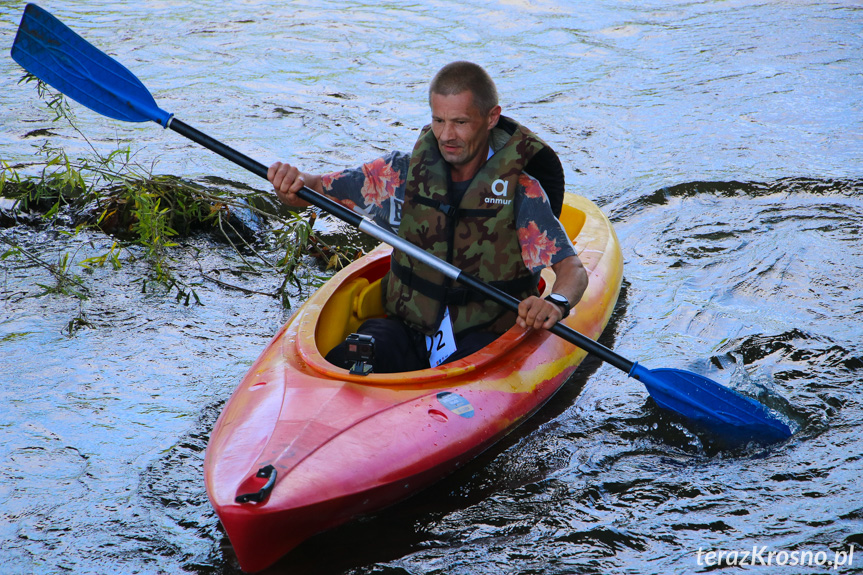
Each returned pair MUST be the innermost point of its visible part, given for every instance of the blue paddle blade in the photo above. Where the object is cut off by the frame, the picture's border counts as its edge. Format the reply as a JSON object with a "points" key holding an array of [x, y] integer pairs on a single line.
{"points": [[52, 52], [732, 416]]}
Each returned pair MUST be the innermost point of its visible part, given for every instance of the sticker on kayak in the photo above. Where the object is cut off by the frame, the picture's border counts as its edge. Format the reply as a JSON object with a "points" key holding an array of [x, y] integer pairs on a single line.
{"points": [[455, 403]]}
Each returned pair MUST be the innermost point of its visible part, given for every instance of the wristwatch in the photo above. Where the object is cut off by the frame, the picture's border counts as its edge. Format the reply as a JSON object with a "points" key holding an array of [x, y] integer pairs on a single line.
{"points": [[560, 300]]}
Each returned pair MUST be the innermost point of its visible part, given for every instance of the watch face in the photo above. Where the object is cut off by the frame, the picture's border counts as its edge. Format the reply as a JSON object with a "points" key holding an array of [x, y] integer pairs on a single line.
{"points": [[561, 301]]}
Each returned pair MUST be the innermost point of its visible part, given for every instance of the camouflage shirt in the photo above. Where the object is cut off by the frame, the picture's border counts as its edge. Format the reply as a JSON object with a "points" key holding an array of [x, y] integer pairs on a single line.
{"points": [[377, 190]]}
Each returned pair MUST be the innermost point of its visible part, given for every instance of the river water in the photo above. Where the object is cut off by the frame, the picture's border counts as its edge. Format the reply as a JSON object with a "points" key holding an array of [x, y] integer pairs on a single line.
{"points": [[725, 141]]}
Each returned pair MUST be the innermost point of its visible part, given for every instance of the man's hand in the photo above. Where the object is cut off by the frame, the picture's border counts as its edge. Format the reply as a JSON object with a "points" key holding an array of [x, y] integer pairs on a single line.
{"points": [[570, 282], [538, 313], [287, 180]]}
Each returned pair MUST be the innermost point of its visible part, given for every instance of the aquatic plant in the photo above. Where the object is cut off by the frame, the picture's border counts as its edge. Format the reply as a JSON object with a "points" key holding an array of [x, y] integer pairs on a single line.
{"points": [[147, 213]]}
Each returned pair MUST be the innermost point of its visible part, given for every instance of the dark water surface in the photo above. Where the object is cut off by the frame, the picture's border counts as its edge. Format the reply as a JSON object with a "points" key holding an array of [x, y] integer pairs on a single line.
{"points": [[724, 139]]}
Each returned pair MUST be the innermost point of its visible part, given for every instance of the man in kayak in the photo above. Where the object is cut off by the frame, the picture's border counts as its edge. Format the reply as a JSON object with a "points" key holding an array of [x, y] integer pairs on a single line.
{"points": [[471, 194]]}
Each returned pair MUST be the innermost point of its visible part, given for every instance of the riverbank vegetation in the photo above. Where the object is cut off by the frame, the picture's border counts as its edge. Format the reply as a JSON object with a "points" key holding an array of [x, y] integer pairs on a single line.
{"points": [[148, 214]]}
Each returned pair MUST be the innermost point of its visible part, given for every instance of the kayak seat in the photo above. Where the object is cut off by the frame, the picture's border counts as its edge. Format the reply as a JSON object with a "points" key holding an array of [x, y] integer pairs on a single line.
{"points": [[352, 304], [369, 302], [573, 220]]}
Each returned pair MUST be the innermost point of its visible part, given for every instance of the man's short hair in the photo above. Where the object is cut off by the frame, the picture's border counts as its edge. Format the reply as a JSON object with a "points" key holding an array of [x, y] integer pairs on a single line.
{"points": [[457, 77]]}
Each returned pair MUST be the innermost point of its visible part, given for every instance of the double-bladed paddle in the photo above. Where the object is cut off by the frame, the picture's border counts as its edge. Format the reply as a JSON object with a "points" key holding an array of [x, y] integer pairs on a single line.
{"points": [[51, 51]]}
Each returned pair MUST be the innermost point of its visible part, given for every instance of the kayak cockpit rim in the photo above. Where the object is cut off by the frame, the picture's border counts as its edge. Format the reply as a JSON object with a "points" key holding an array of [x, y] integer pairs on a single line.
{"points": [[353, 295]]}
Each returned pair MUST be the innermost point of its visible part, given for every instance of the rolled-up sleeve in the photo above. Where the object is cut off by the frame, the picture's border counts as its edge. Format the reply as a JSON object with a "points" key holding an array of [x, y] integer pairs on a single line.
{"points": [[542, 237], [375, 189]]}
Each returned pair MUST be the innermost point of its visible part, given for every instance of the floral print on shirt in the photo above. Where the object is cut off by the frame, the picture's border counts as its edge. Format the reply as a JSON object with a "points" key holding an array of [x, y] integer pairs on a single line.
{"points": [[537, 249], [532, 188], [381, 182]]}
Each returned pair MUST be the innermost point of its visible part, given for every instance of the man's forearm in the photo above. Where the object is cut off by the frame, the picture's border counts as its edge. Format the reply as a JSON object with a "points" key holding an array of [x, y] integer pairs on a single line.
{"points": [[571, 279]]}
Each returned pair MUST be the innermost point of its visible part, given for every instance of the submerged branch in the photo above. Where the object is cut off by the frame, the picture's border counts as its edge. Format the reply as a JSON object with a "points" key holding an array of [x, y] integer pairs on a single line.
{"points": [[64, 280]]}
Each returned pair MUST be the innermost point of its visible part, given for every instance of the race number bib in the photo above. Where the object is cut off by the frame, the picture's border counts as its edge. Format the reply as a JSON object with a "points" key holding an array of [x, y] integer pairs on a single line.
{"points": [[441, 345]]}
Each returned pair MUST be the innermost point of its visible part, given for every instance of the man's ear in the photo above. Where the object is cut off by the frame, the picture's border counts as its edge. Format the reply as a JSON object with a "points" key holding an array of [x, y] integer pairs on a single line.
{"points": [[493, 117]]}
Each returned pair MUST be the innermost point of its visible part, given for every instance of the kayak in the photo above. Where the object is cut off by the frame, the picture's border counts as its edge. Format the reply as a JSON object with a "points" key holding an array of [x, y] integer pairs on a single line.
{"points": [[303, 446]]}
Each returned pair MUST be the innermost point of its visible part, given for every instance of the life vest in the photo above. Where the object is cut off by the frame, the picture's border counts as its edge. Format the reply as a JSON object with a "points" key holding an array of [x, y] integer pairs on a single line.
{"points": [[478, 235]]}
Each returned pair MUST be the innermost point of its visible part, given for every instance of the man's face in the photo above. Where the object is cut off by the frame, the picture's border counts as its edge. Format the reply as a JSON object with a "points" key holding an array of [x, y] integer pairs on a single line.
{"points": [[462, 132]]}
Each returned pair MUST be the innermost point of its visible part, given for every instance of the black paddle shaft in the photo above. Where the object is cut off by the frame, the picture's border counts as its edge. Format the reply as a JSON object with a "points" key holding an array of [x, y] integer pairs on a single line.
{"points": [[559, 329], [227, 152], [260, 169]]}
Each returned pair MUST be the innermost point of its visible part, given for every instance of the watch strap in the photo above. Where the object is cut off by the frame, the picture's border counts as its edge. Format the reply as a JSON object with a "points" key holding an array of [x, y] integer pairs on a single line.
{"points": [[561, 301]]}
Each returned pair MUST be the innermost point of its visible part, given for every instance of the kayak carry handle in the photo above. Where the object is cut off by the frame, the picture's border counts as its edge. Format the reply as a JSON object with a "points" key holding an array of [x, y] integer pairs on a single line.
{"points": [[268, 472]]}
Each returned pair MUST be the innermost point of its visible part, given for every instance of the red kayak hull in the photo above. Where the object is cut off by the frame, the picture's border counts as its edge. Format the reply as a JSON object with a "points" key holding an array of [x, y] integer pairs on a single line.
{"points": [[344, 445]]}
